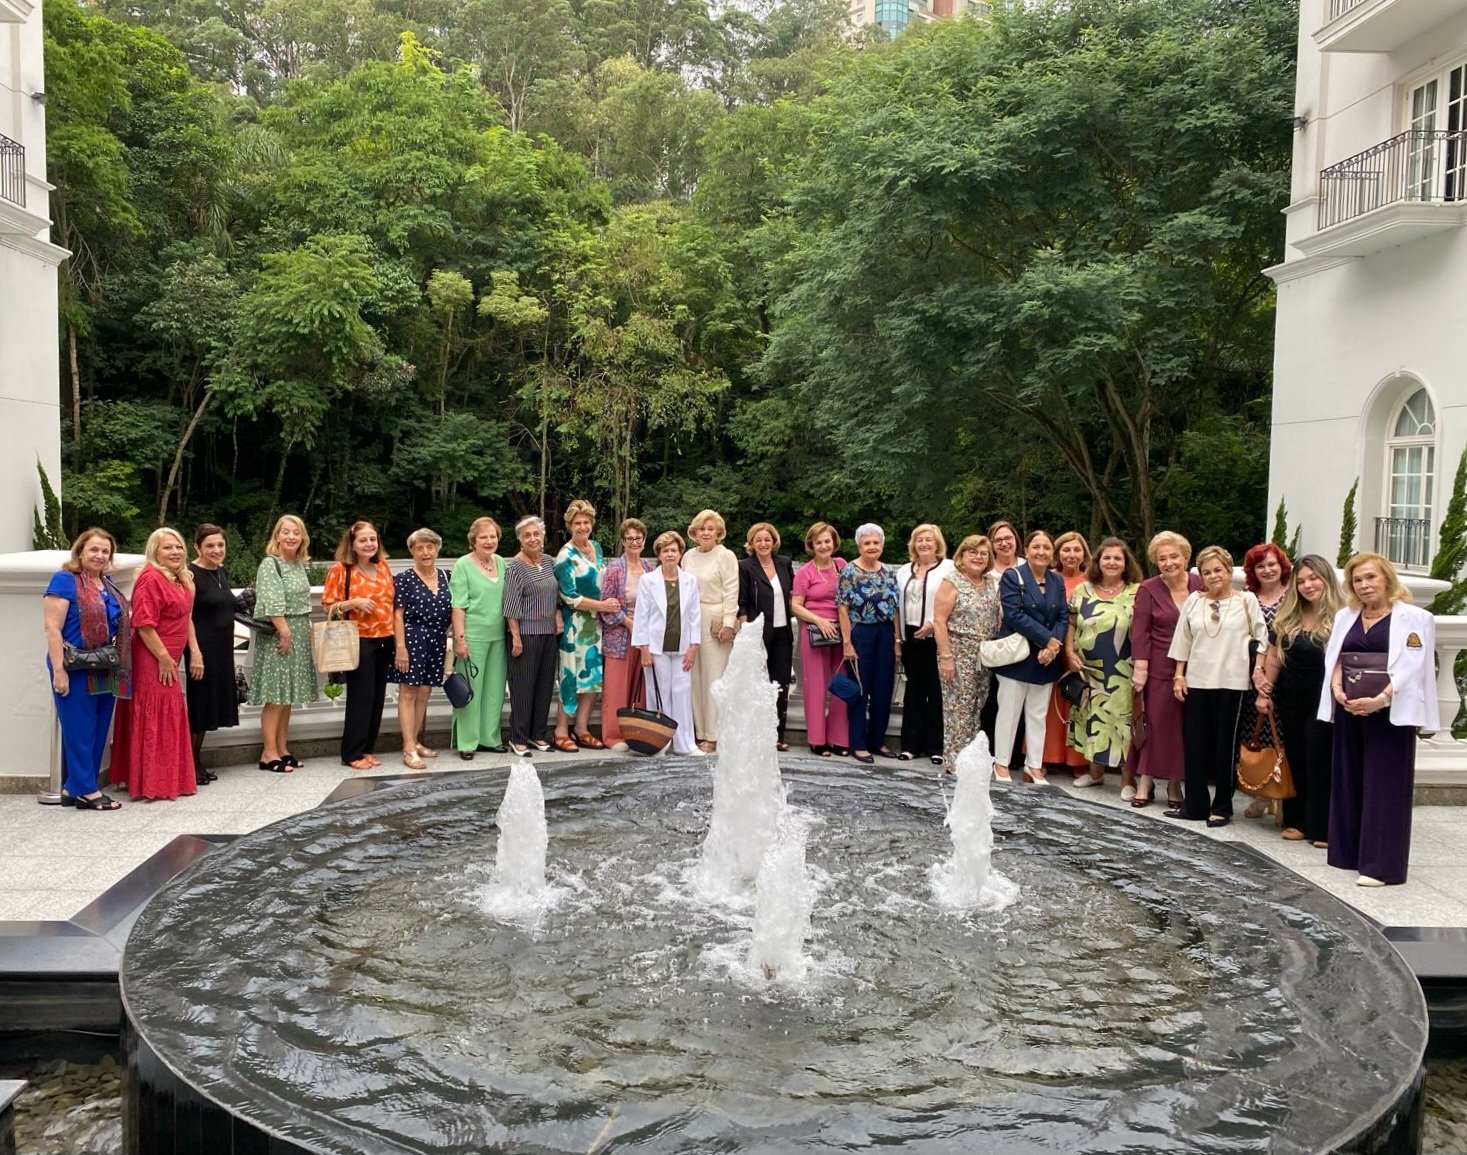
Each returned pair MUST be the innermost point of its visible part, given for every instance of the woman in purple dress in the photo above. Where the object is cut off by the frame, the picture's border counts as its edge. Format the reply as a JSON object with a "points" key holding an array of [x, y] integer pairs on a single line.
{"points": [[1158, 600], [1382, 689]]}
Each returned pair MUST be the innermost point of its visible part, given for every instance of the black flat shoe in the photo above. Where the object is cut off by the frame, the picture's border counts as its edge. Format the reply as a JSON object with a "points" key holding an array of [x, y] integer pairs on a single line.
{"points": [[886, 752], [1179, 812], [840, 751], [276, 767], [864, 759], [202, 779], [500, 749], [290, 760], [466, 755], [1218, 820]]}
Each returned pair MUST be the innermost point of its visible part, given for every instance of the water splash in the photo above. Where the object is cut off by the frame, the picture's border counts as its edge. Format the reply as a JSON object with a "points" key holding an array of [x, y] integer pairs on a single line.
{"points": [[519, 889], [782, 905], [967, 880], [748, 795]]}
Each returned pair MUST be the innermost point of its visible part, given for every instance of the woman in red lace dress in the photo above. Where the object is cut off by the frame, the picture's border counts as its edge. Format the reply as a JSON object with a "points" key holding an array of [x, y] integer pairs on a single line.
{"points": [[151, 750]]}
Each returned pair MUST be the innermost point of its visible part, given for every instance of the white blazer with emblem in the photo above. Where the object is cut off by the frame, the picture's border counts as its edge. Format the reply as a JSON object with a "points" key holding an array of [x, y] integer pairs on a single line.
{"points": [[1410, 662]]}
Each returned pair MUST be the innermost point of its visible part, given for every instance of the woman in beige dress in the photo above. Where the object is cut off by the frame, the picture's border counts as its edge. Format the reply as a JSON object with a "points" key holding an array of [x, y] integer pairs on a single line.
{"points": [[717, 571]]}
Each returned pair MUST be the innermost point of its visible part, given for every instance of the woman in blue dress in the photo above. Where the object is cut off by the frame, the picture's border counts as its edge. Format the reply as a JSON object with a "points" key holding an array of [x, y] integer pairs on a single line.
{"points": [[578, 568], [422, 608]]}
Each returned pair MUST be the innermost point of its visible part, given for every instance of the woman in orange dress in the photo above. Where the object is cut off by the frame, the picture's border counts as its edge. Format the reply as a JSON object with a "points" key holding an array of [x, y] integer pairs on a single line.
{"points": [[151, 749], [1071, 560]]}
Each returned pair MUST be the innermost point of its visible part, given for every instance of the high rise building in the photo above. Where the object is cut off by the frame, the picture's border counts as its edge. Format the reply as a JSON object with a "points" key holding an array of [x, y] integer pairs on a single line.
{"points": [[894, 15]]}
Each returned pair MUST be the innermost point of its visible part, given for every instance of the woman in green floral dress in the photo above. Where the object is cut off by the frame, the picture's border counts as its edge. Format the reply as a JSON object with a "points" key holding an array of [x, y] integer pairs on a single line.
{"points": [[1099, 644], [282, 674]]}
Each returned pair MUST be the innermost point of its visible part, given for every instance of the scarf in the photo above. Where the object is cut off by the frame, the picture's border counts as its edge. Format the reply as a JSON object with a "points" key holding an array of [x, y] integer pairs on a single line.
{"points": [[91, 606]]}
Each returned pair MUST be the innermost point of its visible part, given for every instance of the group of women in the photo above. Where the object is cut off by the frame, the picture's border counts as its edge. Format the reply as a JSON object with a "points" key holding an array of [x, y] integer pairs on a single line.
{"points": [[1165, 674]]}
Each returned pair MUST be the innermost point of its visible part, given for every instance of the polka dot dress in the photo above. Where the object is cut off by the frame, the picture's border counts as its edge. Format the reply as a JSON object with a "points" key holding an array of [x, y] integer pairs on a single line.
{"points": [[425, 619]]}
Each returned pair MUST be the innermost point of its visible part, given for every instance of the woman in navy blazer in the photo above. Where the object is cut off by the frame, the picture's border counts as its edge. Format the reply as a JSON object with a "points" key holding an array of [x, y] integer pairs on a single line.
{"points": [[1035, 606], [766, 580], [1374, 772]]}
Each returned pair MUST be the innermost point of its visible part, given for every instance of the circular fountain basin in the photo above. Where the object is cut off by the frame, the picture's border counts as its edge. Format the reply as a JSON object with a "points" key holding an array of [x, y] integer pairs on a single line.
{"points": [[333, 984]]}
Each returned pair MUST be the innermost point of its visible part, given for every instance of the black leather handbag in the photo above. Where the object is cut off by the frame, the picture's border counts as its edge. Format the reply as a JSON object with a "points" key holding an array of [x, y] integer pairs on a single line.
{"points": [[102, 660]]}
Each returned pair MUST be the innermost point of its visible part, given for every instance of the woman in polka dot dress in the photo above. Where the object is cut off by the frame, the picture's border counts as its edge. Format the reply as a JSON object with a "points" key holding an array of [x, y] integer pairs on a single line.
{"points": [[423, 608]]}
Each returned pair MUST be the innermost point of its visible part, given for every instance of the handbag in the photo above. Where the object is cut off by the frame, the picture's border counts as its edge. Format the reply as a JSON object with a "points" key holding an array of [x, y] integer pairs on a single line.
{"points": [[846, 683], [1263, 770], [1363, 675], [101, 660], [645, 731], [336, 646], [818, 640], [1074, 688], [244, 608], [458, 689], [1005, 651], [1140, 728]]}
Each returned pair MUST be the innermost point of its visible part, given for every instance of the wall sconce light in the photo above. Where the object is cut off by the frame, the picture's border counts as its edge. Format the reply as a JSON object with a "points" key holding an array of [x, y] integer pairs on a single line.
{"points": [[39, 98], [1300, 123]]}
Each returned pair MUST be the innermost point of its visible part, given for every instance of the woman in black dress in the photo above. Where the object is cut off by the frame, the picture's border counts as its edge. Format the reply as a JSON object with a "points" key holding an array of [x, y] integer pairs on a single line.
{"points": [[213, 703]]}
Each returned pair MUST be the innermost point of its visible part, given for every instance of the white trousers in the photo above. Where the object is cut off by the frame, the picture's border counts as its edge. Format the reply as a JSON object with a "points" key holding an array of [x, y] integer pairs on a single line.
{"points": [[1015, 698], [675, 685]]}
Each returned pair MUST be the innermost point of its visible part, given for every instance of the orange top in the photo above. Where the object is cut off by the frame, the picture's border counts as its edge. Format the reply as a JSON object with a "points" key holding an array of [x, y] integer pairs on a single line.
{"points": [[376, 585]]}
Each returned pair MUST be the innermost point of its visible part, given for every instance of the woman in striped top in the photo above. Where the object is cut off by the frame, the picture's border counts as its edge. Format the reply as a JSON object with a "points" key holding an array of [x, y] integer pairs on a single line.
{"points": [[532, 615]]}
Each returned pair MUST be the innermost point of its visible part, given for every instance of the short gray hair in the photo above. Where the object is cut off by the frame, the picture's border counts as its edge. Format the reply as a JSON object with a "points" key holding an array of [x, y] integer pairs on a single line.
{"points": [[526, 521], [870, 529], [424, 534]]}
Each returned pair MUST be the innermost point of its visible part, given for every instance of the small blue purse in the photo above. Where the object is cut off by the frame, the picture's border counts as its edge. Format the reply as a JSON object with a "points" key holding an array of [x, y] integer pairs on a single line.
{"points": [[846, 684]]}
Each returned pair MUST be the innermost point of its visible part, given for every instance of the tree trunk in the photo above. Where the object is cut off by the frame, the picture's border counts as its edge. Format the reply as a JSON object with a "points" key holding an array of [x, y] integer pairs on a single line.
{"points": [[76, 428], [178, 452]]}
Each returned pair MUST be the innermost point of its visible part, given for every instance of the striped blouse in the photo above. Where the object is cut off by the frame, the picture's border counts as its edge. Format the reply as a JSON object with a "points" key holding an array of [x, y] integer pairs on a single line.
{"points": [[532, 595]]}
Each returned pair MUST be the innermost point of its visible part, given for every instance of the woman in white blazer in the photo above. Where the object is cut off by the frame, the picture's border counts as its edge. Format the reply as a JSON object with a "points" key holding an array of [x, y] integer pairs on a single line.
{"points": [[1374, 757], [666, 632]]}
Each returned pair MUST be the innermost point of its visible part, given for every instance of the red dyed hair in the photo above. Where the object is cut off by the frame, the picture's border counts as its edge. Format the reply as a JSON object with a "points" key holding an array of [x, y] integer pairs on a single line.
{"points": [[1256, 555]]}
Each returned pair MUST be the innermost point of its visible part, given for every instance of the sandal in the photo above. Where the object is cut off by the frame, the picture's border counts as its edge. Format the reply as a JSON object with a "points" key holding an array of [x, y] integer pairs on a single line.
{"points": [[425, 751], [782, 747], [100, 802], [374, 760], [589, 741], [411, 760], [541, 745], [566, 745], [361, 764], [707, 747], [1139, 802], [290, 760], [277, 766]]}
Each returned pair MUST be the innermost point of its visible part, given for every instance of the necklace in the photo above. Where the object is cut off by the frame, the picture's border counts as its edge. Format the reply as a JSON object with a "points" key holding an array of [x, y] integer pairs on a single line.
{"points": [[1218, 616], [218, 572], [487, 566], [1109, 591]]}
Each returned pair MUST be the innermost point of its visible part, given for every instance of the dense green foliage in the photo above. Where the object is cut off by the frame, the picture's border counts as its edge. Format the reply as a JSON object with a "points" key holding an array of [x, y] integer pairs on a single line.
{"points": [[418, 260]]}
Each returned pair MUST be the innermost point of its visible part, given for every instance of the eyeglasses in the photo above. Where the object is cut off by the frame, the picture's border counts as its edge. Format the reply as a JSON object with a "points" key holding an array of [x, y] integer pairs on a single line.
{"points": [[631, 537]]}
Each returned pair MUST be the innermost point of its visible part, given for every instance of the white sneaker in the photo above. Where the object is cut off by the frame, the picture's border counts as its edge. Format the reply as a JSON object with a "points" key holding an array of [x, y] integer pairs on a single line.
{"points": [[1366, 880], [619, 747], [1127, 793], [1085, 780]]}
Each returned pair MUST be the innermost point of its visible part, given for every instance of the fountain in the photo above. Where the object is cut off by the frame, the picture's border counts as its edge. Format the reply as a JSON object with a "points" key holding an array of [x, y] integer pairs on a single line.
{"points": [[834, 969]]}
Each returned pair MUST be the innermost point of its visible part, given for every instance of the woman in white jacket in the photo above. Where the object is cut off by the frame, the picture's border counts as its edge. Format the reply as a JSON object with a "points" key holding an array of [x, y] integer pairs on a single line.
{"points": [[666, 632], [1381, 690]]}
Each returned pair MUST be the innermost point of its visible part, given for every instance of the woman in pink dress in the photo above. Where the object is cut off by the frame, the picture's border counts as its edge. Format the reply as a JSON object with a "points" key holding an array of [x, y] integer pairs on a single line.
{"points": [[1153, 621], [151, 750], [813, 604]]}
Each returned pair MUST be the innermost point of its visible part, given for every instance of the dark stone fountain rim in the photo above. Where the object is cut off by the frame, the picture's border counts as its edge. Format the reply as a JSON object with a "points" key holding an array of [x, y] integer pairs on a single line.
{"points": [[1379, 1128]]}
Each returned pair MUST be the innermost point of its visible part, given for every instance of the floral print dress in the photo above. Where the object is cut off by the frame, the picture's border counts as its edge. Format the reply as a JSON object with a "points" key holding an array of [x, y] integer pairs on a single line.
{"points": [[579, 577], [1100, 728], [973, 620]]}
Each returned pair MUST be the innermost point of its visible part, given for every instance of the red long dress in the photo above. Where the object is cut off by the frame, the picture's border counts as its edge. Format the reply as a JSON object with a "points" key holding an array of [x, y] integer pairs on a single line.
{"points": [[150, 747]]}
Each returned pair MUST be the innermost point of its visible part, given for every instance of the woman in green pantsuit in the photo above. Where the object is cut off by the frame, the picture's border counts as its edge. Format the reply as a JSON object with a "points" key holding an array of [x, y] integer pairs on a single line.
{"points": [[477, 586]]}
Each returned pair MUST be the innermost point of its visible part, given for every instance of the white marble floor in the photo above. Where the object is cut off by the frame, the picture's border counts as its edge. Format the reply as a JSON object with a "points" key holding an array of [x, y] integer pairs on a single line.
{"points": [[54, 861]]}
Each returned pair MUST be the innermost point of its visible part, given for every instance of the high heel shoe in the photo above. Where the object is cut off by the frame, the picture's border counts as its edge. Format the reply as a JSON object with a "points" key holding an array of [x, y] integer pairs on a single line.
{"points": [[1004, 777], [1036, 778]]}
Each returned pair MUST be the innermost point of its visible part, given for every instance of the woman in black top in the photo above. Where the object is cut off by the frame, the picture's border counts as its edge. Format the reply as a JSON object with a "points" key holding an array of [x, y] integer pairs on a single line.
{"points": [[766, 581], [1293, 677], [213, 703]]}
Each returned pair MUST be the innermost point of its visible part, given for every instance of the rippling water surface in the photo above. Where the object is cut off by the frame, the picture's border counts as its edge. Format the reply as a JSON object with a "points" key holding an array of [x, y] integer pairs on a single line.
{"points": [[1145, 986]]}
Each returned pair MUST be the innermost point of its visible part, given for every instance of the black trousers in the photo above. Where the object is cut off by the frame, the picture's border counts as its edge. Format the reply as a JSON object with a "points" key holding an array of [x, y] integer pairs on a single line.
{"points": [[1308, 743], [922, 703], [780, 646], [366, 690], [531, 684], [1210, 749]]}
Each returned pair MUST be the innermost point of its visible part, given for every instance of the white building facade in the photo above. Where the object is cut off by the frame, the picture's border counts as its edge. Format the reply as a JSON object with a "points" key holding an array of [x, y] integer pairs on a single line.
{"points": [[1370, 360], [29, 398]]}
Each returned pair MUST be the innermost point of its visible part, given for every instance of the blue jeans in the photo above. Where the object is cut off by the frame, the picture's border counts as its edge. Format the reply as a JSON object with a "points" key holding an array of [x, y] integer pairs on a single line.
{"points": [[876, 656]]}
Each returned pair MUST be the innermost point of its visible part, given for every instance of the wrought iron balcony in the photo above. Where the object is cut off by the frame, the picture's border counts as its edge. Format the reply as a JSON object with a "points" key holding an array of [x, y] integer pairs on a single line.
{"points": [[1338, 8], [1405, 540], [12, 171], [1380, 25], [1415, 167]]}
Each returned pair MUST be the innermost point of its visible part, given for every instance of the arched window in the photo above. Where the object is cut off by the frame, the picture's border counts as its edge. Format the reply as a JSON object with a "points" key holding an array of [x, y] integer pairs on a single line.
{"points": [[1404, 534]]}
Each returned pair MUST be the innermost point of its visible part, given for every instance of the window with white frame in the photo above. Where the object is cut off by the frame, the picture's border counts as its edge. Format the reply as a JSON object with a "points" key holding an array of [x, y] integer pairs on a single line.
{"points": [[1404, 533], [1436, 114]]}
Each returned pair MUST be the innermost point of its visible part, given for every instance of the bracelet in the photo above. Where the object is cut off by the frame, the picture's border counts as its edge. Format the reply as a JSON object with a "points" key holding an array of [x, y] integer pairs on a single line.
{"points": [[944, 657]]}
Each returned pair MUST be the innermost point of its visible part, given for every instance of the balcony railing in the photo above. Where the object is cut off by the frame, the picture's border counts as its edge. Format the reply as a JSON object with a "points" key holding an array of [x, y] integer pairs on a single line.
{"points": [[12, 171], [1417, 167], [1338, 8], [1405, 540]]}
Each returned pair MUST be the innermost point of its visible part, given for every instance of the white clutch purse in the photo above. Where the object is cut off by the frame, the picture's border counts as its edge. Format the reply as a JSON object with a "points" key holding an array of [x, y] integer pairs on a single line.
{"points": [[1003, 651]]}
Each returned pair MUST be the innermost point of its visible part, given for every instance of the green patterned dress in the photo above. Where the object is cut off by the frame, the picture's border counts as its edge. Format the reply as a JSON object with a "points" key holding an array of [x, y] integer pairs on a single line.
{"points": [[1101, 729], [283, 589], [580, 639]]}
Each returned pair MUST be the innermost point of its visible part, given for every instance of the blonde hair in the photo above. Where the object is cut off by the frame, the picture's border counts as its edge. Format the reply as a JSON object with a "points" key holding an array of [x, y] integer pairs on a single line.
{"points": [[1395, 591], [972, 544], [816, 530], [1167, 537], [73, 563], [272, 548], [476, 527], [671, 537], [703, 517], [926, 527], [1064, 539], [758, 527], [1289, 622], [1207, 553], [579, 508], [184, 575]]}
